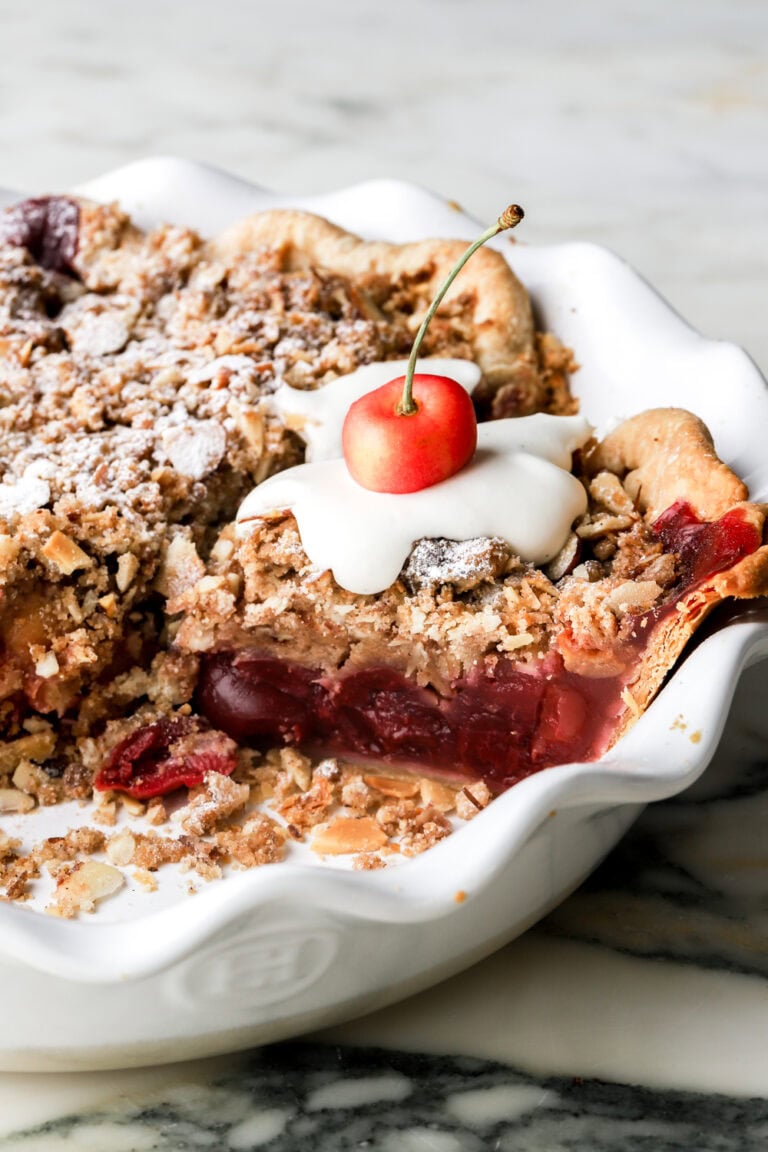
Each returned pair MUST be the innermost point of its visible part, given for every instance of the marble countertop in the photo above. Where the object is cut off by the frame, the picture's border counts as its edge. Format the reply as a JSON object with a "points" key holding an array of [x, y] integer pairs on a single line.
{"points": [[635, 1015]]}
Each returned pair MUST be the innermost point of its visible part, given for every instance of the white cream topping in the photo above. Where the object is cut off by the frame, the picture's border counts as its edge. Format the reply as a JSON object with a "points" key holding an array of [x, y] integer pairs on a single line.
{"points": [[318, 416], [517, 486]]}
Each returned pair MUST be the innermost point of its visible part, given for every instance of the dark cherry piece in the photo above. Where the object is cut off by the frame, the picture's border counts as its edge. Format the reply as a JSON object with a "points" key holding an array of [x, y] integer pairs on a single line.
{"points": [[256, 696], [705, 547], [501, 724], [146, 764], [48, 227]]}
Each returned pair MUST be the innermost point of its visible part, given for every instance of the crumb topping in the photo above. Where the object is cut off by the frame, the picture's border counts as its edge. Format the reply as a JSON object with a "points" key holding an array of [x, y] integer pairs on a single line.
{"points": [[133, 420], [247, 821], [456, 604]]}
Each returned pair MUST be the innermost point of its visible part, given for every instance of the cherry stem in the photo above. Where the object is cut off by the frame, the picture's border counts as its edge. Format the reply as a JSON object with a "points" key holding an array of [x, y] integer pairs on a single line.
{"points": [[510, 217]]}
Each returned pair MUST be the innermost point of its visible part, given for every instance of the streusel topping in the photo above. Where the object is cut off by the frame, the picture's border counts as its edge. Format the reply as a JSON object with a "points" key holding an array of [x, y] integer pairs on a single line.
{"points": [[455, 605], [132, 422]]}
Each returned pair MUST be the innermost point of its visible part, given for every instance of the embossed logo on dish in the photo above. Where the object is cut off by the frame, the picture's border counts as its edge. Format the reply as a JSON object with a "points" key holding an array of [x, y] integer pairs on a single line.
{"points": [[251, 968]]}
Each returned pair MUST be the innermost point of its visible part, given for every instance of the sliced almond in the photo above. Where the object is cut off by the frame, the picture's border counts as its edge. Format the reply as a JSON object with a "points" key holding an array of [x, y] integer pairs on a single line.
{"points": [[566, 559], [82, 886], [250, 424], [438, 795], [29, 778], [349, 834], [521, 640], [222, 550], [47, 666], [608, 490], [180, 569], [602, 524], [397, 786], [37, 746], [208, 584], [127, 567], [121, 847], [109, 604], [133, 806], [157, 813], [65, 554], [234, 582], [633, 596], [298, 767], [12, 802]]}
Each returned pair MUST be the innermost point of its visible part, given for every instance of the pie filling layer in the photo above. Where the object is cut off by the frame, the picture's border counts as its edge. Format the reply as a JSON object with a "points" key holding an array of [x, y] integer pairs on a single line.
{"points": [[501, 723]]}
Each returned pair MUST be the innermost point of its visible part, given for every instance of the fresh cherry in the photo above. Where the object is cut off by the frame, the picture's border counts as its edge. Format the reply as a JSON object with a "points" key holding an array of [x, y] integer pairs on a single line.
{"points": [[396, 442], [386, 452]]}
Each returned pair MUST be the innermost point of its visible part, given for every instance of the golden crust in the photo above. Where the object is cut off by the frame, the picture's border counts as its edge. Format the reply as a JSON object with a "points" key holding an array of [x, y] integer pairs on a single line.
{"points": [[747, 579], [667, 454], [664, 455], [501, 314]]}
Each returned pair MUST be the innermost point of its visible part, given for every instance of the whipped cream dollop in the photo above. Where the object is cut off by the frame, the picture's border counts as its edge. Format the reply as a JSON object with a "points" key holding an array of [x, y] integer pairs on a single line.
{"points": [[517, 486], [317, 416]]}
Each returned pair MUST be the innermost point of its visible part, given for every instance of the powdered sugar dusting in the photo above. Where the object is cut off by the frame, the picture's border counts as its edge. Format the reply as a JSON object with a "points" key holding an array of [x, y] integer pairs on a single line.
{"points": [[145, 378], [196, 448], [462, 563], [29, 493]]}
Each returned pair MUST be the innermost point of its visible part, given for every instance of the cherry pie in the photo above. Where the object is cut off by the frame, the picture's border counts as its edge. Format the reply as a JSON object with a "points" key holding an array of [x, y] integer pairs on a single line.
{"points": [[145, 643]]}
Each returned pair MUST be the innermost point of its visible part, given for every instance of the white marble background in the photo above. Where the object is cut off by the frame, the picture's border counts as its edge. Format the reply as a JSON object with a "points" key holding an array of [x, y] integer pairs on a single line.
{"points": [[640, 124]]}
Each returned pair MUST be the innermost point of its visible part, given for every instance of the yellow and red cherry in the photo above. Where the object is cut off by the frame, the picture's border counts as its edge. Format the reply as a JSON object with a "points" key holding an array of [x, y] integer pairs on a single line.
{"points": [[395, 441], [387, 452]]}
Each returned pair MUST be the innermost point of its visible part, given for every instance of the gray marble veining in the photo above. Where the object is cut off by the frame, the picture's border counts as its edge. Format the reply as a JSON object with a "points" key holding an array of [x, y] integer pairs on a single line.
{"points": [[335, 1100]]}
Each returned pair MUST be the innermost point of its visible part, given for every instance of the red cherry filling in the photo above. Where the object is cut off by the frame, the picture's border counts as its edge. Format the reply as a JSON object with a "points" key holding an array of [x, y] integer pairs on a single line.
{"points": [[501, 723], [165, 755], [705, 547], [48, 227], [255, 696]]}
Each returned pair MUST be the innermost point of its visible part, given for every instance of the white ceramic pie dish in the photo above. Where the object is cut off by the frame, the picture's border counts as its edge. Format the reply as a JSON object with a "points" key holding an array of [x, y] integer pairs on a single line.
{"points": [[289, 947]]}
